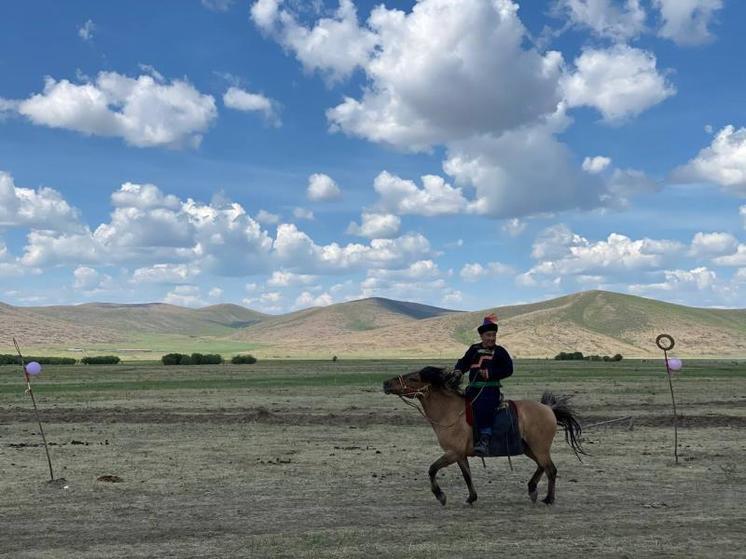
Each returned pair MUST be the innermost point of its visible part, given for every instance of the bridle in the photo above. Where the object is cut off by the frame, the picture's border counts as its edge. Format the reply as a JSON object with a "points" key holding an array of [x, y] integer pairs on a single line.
{"points": [[419, 393]]}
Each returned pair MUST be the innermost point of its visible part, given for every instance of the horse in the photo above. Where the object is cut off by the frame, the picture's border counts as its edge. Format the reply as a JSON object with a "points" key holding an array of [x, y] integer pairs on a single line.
{"points": [[443, 406]]}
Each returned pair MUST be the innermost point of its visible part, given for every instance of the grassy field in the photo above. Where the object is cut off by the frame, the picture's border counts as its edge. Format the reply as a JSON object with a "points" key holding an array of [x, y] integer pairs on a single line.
{"points": [[311, 459]]}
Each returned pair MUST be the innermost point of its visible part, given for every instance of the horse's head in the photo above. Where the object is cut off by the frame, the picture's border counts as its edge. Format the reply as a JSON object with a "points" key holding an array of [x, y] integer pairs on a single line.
{"points": [[413, 385]]}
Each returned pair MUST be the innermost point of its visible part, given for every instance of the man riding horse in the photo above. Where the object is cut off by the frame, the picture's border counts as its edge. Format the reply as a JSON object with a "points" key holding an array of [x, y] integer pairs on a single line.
{"points": [[487, 363]]}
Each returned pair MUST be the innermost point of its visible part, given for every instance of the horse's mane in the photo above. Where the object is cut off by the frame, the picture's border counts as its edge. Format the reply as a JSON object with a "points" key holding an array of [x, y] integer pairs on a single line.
{"points": [[441, 378]]}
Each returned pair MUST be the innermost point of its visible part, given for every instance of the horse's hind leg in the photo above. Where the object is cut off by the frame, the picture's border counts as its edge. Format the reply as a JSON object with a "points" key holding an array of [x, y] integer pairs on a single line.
{"points": [[533, 483], [463, 463], [551, 470], [446, 460]]}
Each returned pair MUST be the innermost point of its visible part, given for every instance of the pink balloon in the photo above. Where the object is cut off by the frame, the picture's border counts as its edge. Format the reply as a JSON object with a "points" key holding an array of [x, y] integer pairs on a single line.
{"points": [[674, 364], [33, 368]]}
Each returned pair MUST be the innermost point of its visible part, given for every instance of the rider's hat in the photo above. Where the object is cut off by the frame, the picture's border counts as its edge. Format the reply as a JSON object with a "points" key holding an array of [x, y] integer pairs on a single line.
{"points": [[489, 324]]}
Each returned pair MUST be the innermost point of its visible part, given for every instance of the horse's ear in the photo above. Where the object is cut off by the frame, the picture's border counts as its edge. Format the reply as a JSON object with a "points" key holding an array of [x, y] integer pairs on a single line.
{"points": [[433, 375]]}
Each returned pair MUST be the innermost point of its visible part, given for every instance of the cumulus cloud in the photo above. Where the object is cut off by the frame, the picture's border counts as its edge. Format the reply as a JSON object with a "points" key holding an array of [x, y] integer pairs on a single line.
{"points": [[296, 250], [90, 281], [476, 271], [723, 162], [289, 279], [401, 196], [699, 279], [322, 187], [686, 22], [611, 19], [267, 218], [596, 164], [561, 252], [376, 226], [712, 244], [738, 258], [410, 101], [303, 213], [620, 82], [514, 227], [520, 173], [144, 111], [86, 30], [165, 273], [307, 299], [242, 100], [185, 296], [43, 208], [334, 46]]}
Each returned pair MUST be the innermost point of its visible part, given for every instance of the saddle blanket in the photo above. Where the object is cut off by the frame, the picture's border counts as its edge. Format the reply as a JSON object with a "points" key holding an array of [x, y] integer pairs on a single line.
{"points": [[506, 438]]}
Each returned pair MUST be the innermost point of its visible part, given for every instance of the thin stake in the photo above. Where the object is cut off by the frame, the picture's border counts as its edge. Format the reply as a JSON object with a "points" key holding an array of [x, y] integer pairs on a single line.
{"points": [[675, 417], [36, 410]]}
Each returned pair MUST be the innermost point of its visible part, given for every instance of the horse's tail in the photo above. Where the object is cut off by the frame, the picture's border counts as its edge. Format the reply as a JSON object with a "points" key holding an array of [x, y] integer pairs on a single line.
{"points": [[566, 418]]}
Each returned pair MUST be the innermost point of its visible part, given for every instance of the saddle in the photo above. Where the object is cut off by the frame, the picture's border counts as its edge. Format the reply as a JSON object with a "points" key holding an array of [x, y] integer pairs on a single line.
{"points": [[506, 438]]}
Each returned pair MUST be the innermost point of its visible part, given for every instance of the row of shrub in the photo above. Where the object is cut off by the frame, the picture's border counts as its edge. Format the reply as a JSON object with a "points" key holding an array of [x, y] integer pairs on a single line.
{"points": [[578, 356], [10, 359], [204, 359], [193, 359], [101, 360]]}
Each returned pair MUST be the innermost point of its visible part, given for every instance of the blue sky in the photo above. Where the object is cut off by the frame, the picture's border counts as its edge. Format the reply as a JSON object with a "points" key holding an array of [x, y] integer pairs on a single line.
{"points": [[286, 154]]}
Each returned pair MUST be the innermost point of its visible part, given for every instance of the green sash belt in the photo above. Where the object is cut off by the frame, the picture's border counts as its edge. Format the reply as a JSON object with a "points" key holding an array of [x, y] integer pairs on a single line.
{"points": [[485, 384]]}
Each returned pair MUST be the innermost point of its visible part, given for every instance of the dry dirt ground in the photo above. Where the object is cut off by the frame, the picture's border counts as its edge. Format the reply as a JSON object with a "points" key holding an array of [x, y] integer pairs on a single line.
{"points": [[312, 460]]}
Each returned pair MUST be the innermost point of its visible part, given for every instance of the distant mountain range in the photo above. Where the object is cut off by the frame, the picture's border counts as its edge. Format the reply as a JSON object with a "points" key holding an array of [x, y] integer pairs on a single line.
{"points": [[594, 322]]}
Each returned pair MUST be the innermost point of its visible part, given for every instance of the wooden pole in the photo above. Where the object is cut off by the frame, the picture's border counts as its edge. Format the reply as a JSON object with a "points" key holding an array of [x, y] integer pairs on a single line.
{"points": [[36, 409], [666, 342]]}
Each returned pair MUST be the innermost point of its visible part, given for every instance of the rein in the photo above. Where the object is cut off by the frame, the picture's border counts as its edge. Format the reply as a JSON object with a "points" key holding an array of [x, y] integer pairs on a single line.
{"points": [[419, 393]]}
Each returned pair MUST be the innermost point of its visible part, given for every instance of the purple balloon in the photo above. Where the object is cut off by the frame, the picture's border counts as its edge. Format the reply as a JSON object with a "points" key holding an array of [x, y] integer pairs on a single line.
{"points": [[33, 368], [674, 364]]}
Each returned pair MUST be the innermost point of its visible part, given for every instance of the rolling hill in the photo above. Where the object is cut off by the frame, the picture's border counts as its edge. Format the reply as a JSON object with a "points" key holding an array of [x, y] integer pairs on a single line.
{"points": [[594, 322]]}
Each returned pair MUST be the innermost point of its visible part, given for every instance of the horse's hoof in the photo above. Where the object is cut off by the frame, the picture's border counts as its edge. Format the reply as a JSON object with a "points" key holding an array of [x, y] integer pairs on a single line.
{"points": [[470, 499], [441, 497], [548, 500], [533, 495]]}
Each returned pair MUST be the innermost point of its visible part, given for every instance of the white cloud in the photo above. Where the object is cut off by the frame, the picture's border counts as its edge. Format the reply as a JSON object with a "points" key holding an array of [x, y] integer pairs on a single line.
{"points": [[143, 111], [723, 162], [144, 197], [215, 293], [322, 187], [562, 252], [596, 164], [475, 271], [514, 227], [303, 213], [86, 30], [289, 279], [520, 173], [411, 101], [267, 218], [296, 250], [712, 244], [376, 226], [307, 299], [607, 18], [620, 82], [91, 281], [334, 46], [185, 296], [736, 259], [43, 208], [699, 279], [165, 273], [686, 21], [436, 197], [241, 100]]}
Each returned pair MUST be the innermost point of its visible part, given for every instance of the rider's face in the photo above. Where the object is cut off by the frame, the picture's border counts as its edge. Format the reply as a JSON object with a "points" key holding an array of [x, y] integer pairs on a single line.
{"points": [[488, 339]]}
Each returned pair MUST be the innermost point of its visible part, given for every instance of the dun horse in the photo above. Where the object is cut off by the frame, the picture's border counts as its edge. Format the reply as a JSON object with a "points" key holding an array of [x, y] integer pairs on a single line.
{"points": [[444, 408]]}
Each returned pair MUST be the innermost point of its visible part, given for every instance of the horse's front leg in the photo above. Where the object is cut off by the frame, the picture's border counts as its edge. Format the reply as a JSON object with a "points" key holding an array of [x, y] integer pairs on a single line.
{"points": [[463, 463], [446, 460]]}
